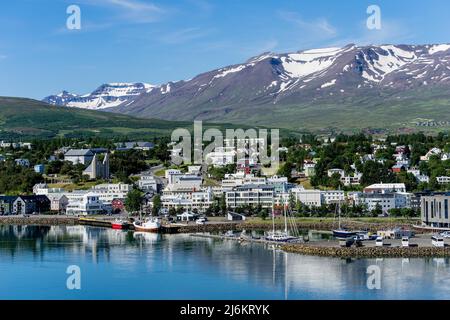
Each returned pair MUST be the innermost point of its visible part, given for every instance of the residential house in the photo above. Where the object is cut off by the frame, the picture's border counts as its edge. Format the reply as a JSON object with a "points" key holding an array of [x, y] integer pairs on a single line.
{"points": [[58, 202], [6, 205], [443, 180], [31, 204], [22, 162]]}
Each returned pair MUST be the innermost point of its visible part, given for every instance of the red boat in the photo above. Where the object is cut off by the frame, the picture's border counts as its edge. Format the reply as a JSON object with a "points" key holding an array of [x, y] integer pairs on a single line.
{"points": [[119, 224]]}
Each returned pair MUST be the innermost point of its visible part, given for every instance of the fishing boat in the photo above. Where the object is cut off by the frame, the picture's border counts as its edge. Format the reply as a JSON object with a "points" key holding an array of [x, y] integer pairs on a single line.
{"points": [[342, 233], [119, 224], [150, 225]]}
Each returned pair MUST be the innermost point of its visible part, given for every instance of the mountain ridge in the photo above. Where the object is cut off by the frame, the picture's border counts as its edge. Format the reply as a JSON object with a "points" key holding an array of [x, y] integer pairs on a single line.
{"points": [[295, 86]]}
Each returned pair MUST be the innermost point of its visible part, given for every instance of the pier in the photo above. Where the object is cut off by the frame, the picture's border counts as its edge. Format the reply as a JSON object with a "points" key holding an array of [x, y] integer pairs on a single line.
{"points": [[237, 238]]}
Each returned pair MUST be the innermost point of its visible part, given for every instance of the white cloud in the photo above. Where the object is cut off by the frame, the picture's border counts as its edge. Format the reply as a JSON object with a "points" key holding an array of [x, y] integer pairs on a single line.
{"points": [[185, 35], [134, 11], [317, 27]]}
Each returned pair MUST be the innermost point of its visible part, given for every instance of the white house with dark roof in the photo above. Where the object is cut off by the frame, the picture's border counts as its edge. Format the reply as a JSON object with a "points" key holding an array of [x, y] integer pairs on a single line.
{"points": [[76, 156]]}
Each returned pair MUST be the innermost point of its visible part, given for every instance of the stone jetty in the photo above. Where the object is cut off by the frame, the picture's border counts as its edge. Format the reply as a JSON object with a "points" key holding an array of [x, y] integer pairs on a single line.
{"points": [[368, 252]]}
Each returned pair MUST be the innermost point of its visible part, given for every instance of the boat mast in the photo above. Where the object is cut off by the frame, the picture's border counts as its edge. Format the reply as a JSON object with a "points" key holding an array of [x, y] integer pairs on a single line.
{"points": [[273, 221], [339, 211], [285, 218]]}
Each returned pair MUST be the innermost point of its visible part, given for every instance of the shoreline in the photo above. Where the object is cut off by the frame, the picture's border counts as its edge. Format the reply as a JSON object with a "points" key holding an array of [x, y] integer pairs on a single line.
{"points": [[312, 248], [368, 252]]}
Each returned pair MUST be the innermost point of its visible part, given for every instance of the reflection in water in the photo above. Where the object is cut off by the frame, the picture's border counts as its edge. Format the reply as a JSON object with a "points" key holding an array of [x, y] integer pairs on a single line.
{"points": [[133, 265]]}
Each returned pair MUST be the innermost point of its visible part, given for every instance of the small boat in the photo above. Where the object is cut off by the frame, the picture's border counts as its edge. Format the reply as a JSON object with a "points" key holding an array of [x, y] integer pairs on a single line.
{"points": [[278, 236], [342, 233], [150, 225], [119, 224]]}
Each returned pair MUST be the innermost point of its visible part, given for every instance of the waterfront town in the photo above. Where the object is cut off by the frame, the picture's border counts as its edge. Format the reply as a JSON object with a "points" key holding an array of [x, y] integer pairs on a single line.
{"points": [[404, 176]]}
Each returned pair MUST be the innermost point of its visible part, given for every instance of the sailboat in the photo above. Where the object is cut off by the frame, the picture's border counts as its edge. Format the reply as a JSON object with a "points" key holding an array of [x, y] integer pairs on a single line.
{"points": [[342, 233], [277, 235]]}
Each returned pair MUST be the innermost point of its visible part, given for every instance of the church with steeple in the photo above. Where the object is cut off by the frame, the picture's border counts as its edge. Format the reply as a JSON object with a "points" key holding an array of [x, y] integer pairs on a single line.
{"points": [[98, 169]]}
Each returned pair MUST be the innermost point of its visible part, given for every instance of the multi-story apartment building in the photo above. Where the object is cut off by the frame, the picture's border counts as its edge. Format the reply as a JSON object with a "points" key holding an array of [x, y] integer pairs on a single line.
{"points": [[251, 195], [435, 210]]}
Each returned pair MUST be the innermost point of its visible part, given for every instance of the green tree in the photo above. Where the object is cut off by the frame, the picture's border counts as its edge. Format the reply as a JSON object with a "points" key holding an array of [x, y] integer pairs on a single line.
{"points": [[133, 201], [156, 204]]}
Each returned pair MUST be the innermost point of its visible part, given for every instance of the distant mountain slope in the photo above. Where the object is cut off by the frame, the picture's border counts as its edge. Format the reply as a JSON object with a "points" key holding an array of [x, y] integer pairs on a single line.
{"points": [[106, 96], [387, 86]]}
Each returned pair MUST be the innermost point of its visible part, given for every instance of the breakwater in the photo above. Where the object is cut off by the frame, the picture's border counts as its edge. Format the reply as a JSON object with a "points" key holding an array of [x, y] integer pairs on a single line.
{"points": [[368, 252], [39, 220]]}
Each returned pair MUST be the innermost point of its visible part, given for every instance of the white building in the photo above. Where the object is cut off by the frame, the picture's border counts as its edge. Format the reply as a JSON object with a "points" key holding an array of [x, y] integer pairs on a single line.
{"points": [[251, 195], [148, 183], [443, 180], [221, 156], [170, 172], [239, 179], [386, 201], [333, 196], [76, 156], [308, 197], [385, 188], [107, 192], [43, 189], [432, 152], [87, 204]]}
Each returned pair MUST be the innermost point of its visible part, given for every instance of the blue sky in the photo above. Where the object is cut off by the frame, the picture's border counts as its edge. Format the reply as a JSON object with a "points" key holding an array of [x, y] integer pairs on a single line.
{"points": [[158, 41]]}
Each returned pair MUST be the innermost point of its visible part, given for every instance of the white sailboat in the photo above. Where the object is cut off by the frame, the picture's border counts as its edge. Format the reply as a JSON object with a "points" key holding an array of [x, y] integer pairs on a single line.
{"points": [[277, 235]]}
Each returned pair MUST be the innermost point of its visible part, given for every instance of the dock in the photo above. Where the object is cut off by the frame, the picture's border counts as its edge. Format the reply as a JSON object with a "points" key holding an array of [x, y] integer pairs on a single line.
{"points": [[238, 239], [94, 222]]}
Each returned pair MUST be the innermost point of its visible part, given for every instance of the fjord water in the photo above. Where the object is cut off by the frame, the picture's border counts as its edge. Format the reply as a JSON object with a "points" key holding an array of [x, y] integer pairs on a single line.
{"points": [[126, 265]]}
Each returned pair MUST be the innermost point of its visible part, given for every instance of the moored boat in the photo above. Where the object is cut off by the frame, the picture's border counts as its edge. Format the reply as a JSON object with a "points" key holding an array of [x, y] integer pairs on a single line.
{"points": [[342, 233], [150, 225], [119, 224]]}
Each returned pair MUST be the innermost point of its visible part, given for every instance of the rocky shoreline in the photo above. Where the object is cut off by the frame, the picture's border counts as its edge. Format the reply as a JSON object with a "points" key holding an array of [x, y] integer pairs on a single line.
{"points": [[39, 220], [368, 252]]}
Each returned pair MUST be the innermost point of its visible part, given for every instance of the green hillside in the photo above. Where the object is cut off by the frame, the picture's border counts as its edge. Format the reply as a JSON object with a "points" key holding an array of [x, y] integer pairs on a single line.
{"points": [[26, 118]]}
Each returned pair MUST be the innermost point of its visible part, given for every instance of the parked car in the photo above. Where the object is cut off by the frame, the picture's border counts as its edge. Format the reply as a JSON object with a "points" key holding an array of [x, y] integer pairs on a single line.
{"points": [[405, 242], [445, 234], [201, 221], [437, 241], [379, 242]]}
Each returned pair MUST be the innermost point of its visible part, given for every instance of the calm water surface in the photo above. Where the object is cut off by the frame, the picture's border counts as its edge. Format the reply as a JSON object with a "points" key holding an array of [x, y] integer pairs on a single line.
{"points": [[126, 265]]}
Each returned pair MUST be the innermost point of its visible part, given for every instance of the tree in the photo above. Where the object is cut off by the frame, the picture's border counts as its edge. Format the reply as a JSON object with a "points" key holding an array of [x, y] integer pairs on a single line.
{"points": [[378, 210], [223, 204], [134, 200], [263, 214], [156, 204]]}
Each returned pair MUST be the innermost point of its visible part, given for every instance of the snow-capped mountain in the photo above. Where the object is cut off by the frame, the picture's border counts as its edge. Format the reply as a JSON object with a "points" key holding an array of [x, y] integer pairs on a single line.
{"points": [[106, 96], [285, 84]]}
